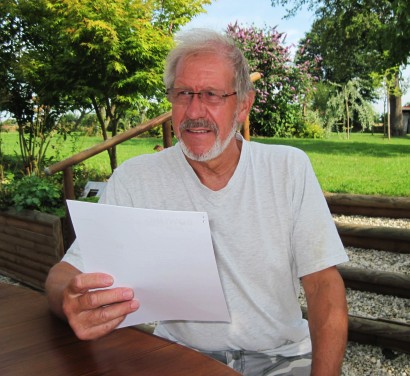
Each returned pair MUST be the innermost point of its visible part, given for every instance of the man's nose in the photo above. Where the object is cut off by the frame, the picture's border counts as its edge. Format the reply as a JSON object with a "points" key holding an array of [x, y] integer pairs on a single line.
{"points": [[196, 108]]}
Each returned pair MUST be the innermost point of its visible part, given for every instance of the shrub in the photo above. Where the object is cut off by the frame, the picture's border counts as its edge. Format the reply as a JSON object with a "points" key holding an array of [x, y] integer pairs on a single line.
{"points": [[282, 90], [34, 193]]}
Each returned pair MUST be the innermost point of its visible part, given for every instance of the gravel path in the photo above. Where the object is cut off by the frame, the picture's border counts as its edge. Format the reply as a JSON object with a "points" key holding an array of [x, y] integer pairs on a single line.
{"points": [[364, 360], [377, 221]]}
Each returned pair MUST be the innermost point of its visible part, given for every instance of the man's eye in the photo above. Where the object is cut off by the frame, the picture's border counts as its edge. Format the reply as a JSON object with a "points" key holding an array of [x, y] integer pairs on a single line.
{"points": [[211, 94], [184, 93]]}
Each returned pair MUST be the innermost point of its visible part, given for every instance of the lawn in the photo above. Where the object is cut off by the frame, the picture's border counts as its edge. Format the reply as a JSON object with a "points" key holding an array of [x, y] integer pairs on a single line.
{"points": [[365, 164]]}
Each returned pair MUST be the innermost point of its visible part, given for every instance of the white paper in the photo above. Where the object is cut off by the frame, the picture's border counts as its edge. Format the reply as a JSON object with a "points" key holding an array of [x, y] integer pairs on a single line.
{"points": [[165, 256]]}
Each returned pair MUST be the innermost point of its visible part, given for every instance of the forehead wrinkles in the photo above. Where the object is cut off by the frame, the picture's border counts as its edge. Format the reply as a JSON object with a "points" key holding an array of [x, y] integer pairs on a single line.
{"points": [[215, 64]]}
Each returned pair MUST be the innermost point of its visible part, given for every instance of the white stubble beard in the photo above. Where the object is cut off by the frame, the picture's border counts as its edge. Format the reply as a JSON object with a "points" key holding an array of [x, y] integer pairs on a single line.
{"points": [[217, 148]]}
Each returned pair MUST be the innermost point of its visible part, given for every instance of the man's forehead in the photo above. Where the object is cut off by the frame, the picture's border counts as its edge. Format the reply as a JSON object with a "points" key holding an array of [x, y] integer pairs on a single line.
{"points": [[213, 65]]}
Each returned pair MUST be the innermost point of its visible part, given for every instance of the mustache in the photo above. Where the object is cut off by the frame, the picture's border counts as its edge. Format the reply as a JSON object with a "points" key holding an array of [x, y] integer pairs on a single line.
{"points": [[199, 123]]}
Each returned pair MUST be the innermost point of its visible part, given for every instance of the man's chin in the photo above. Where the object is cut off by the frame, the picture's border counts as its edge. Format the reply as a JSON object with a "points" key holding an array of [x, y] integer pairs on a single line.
{"points": [[201, 156]]}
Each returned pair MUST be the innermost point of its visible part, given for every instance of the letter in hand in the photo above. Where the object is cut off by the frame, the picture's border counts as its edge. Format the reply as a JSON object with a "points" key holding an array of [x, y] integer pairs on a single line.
{"points": [[92, 308]]}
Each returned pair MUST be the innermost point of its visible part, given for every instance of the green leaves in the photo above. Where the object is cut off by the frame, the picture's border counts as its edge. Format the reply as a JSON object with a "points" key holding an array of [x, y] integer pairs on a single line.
{"points": [[57, 55], [281, 91], [35, 193]]}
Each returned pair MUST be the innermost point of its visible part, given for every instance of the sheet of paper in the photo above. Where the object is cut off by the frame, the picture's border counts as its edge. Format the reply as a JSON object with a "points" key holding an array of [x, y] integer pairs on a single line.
{"points": [[166, 256]]}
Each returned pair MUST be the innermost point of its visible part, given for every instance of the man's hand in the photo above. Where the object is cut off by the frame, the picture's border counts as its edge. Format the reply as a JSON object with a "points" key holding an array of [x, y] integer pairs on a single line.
{"points": [[93, 310], [86, 301]]}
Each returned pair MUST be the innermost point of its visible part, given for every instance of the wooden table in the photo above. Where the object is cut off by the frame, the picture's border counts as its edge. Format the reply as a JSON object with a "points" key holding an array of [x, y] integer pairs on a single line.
{"points": [[34, 342]]}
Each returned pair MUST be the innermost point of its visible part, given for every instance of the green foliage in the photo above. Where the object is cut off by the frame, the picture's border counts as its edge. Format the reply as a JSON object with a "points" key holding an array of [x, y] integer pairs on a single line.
{"points": [[34, 193], [344, 104], [312, 126], [357, 40], [380, 26], [60, 55], [282, 90]]}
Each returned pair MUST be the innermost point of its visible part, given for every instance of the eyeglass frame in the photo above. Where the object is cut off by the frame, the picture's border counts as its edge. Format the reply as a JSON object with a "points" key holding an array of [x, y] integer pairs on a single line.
{"points": [[190, 95]]}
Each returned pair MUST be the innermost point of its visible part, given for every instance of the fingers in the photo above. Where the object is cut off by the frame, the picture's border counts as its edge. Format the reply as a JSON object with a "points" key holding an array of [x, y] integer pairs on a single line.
{"points": [[94, 310], [98, 322], [87, 281]]}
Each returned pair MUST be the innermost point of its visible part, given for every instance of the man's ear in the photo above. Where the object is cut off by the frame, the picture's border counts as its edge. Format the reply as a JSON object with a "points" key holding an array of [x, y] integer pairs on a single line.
{"points": [[245, 107]]}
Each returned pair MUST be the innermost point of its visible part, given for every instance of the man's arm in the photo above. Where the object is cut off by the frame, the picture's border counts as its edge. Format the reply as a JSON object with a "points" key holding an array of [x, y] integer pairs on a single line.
{"points": [[86, 301], [328, 320]]}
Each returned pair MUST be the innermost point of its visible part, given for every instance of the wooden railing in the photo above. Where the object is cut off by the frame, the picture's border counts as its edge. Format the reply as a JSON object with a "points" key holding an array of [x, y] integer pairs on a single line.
{"points": [[66, 165]]}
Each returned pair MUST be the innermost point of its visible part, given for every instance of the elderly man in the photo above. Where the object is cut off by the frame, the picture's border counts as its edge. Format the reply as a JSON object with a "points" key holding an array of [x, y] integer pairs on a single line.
{"points": [[269, 222]]}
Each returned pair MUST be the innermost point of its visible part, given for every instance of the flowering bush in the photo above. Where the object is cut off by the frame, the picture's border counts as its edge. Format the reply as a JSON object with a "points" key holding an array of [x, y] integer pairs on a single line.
{"points": [[283, 88]]}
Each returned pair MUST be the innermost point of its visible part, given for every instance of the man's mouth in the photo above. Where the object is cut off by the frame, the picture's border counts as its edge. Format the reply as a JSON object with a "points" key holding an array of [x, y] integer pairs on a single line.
{"points": [[198, 130], [200, 126]]}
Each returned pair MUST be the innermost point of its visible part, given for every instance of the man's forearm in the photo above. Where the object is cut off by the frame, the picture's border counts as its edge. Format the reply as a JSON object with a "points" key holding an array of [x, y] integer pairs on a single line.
{"points": [[328, 322], [329, 337]]}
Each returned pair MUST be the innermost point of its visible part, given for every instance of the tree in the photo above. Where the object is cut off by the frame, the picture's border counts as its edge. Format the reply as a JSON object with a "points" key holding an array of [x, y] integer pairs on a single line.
{"points": [[117, 50], [24, 62], [282, 90], [107, 56], [346, 102], [356, 38]]}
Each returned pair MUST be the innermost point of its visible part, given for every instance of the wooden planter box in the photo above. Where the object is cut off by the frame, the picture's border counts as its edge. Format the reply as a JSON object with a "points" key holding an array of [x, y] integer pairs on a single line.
{"points": [[30, 243]]}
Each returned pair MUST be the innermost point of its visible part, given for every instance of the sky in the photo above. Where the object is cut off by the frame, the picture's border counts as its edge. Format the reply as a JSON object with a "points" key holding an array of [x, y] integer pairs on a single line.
{"points": [[261, 13]]}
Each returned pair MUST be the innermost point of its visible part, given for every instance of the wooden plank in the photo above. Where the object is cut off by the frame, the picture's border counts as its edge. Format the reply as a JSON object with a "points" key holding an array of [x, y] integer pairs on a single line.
{"points": [[377, 332], [368, 205], [380, 282], [25, 217], [14, 243], [40, 264], [393, 335], [37, 282], [373, 237], [29, 235], [28, 249]]}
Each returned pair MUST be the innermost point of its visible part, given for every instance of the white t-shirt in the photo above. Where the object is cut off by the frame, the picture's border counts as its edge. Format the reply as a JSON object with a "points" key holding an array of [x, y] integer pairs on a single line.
{"points": [[270, 226]]}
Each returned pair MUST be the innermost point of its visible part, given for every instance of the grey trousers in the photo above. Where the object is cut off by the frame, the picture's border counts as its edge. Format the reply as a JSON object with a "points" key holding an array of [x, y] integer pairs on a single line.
{"points": [[251, 363]]}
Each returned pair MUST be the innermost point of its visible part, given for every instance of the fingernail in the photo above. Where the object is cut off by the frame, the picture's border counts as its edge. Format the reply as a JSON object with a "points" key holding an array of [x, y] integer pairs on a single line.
{"points": [[134, 304], [127, 294], [108, 280]]}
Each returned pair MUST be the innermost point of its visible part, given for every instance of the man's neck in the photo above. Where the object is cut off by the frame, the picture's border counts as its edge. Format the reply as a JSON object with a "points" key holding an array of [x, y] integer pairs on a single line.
{"points": [[216, 173]]}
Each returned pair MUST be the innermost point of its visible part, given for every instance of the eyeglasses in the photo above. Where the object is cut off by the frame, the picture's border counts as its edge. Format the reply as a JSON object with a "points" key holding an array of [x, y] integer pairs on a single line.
{"points": [[210, 97]]}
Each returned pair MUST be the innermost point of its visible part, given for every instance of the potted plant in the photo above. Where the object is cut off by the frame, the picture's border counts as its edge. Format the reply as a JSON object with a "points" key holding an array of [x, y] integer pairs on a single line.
{"points": [[31, 236]]}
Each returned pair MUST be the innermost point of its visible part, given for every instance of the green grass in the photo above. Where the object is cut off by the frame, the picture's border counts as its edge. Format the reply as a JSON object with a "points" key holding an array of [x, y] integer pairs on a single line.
{"points": [[365, 164]]}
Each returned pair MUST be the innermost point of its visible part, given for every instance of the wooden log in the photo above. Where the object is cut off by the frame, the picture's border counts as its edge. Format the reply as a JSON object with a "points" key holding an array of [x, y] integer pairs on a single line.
{"points": [[371, 237], [377, 332], [382, 333], [380, 282], [368, 205]]}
